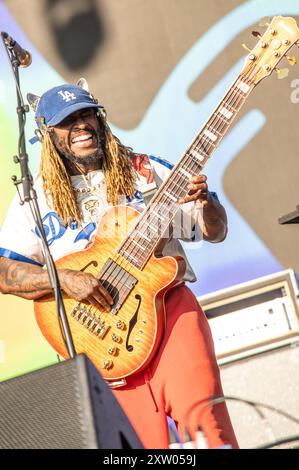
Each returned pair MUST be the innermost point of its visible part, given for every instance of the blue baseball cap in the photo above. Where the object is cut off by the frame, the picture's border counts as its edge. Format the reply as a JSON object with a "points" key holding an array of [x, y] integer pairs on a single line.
{"points": [[59, 102]]}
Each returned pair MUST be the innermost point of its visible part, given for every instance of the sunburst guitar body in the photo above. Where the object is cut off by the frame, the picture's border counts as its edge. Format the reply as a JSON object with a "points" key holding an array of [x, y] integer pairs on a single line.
{"points": [[123, 341]]}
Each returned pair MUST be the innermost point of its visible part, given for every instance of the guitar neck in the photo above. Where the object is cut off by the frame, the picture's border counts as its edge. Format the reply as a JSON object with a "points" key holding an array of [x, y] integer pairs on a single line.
{"points": [[156, 218]]}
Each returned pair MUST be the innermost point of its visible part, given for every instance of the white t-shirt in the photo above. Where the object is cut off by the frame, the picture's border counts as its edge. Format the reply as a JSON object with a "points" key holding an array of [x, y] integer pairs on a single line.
{"points": [[20, 240]]}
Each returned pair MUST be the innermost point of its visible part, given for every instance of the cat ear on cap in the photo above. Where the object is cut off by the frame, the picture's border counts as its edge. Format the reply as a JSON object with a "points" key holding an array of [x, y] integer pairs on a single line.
{"points": [[82, 82], [33, 100]]}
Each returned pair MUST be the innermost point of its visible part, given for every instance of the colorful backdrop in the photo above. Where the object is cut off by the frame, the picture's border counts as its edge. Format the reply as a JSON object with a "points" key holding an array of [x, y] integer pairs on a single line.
{"points": [[160, 68]]}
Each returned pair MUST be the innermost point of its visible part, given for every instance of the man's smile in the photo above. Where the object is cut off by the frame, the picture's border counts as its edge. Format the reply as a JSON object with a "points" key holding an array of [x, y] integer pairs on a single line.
{"points": [[83, 140]]}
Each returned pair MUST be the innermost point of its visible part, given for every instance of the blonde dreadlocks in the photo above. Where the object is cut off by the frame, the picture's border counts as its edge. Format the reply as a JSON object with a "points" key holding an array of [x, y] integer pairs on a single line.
{"points": [[119, 175]]}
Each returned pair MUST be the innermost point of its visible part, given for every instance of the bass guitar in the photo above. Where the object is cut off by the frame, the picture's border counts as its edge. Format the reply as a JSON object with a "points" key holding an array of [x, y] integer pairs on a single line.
{"points": [[123, 342]]}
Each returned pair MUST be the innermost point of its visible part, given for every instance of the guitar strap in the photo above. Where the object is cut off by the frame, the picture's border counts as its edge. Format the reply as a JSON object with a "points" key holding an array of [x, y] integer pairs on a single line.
{"points": [[148, 194]]}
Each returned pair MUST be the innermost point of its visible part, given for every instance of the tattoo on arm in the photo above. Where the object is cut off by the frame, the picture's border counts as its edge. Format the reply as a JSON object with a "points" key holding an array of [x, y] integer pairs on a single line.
{"points": [[23, 279]]}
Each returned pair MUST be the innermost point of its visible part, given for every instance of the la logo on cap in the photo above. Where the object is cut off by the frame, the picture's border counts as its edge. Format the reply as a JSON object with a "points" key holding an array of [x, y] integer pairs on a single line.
{"points": [[67, 96]]}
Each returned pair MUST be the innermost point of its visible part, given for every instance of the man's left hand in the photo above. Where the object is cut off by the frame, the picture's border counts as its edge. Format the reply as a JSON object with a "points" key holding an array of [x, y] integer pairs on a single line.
{"points": [[198, 190]]}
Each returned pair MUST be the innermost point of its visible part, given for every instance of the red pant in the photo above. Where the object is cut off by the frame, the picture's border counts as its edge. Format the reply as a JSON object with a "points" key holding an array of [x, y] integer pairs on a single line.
{"points": [[179, 380]]}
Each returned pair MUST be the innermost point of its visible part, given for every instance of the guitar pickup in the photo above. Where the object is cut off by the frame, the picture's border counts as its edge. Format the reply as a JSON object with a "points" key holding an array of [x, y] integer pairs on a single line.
{"points": [[118, 282]]}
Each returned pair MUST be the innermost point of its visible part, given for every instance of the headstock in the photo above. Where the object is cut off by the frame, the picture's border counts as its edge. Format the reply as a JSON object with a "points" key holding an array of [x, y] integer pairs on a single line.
{"points": [[282, 33]]}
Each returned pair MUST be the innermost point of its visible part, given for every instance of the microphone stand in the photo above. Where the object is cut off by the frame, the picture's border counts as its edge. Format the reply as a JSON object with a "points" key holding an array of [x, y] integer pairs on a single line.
{"points": [[29, 195]]}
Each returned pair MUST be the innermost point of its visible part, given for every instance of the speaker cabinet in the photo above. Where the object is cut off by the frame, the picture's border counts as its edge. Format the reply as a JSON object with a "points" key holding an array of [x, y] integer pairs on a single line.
{"points": [[67, 405], [270, 378]]}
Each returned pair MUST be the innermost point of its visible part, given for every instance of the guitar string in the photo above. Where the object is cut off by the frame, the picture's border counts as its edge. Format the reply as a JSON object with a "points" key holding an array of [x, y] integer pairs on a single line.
{"points": [[126, 274], [197, 144], [158, 218], [237, 99], [181, 179]]}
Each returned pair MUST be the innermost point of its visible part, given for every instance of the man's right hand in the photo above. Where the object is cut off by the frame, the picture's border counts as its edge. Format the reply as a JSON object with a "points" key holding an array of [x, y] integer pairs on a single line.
{"points": [[84, 286], [32, 282]]}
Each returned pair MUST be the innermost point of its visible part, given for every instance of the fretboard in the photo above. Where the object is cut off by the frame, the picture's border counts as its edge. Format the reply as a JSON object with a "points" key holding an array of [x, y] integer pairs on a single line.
{"points": [[157, 217]]}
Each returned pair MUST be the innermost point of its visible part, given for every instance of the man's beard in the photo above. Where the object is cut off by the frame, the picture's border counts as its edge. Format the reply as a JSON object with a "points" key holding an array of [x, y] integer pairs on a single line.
{"points": [[97, 156], [64, 152]]}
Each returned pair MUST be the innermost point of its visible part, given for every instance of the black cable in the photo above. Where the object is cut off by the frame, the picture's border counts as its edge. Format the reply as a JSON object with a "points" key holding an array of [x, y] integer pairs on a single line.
{"points": [[277, 442], [214, 400], [268, 407], [252, 403]]}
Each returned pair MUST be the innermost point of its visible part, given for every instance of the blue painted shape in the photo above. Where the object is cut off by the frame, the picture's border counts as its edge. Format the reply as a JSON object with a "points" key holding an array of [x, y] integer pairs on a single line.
{"points": [[86, 232], [53, 227]]}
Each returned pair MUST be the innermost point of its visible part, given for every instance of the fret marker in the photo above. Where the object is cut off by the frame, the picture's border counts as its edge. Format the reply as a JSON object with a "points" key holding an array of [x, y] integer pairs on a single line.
{"points": [[174, 199], [128, 255], [185, 173], [143, 235], [210, 135], [138, 244], [151, 227], [160, 216], [194, 153], [225, 112], [243, 87]]}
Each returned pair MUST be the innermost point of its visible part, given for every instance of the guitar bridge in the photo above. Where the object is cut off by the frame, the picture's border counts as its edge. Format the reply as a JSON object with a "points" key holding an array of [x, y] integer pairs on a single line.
{"points": [[83, 315]]}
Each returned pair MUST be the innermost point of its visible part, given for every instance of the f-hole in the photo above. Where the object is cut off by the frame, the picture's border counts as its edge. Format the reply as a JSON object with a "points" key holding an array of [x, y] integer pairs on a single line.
{"points": [[91, 263], [132, 323]]}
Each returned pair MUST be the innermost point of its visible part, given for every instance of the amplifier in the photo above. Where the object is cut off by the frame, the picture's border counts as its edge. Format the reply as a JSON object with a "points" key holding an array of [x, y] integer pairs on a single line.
{"points": [[253, 317], [67, 405]]}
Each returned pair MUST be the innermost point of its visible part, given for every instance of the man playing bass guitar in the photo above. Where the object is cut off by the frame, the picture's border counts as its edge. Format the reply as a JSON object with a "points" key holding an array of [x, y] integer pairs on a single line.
{"points": [[85, 170]]}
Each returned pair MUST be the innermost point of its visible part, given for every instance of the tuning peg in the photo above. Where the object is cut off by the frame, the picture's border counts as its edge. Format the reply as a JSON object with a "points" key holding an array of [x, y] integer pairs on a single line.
{"points": [[246, 48], [256, 34], [282, 73], [291, 59], [265, 21]]}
